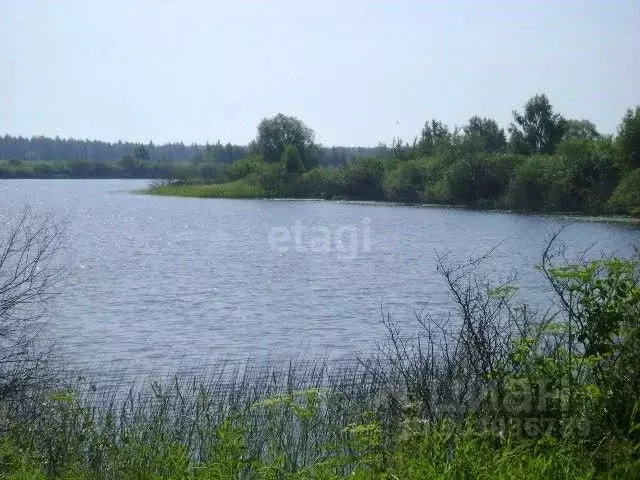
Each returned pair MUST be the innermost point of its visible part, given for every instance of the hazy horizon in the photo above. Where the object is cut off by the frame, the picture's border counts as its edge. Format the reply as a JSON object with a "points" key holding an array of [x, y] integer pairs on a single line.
{"points": [[358, 73]]}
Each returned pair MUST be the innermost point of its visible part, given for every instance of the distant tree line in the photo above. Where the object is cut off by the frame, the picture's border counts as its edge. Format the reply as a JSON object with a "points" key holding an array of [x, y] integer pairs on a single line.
{"points": [[43, 157], [64, 150]]}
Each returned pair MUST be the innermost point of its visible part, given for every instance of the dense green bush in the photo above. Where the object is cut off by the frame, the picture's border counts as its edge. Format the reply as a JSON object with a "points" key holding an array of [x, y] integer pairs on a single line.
{"points": [[364, 178], [250, 166], [626, 197], [590, 174], [628, 140], [479, 179], [406, 183], [321, 183], [534, 183]]}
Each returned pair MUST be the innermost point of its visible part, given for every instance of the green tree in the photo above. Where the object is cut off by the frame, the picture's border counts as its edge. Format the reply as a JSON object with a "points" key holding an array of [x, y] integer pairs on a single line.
{"points": [[275, 134], [483, 134], [479, 179], [292, 161], [321, 183], [537, 129], [364, 179], [407, 182], [626, 196], [129, 164], [244, 168], [629, 138], [590, 173], [141, 152], [81, 169], [532, 183], [43, 170], [434, 137], [580, 130]]}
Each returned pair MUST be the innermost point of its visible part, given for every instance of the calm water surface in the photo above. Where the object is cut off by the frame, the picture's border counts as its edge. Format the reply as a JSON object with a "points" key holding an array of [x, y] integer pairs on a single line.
{"points": [[163, 281]]}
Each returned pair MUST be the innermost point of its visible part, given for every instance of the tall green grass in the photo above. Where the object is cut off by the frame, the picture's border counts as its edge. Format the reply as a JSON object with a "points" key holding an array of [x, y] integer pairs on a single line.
{"points": [[236, 189], [302, 421]]}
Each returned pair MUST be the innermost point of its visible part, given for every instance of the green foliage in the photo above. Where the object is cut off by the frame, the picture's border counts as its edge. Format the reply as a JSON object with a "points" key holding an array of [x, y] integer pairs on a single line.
{"points": [[407, 182], [321, 183], [140, 152], [271, 179], [559, 165], [247, 167], [236, 189], [434, 138], [533, 185], [537, 129], [128, 164], [73, 169], [292, 161], [484, 135], [227, 453], [602, 301], [364, 179], [555, 165], [275, 134], [210, 172], [479, 179], [590, 174], [629, 138], [580, 130], [580, 178], [626, 196]]}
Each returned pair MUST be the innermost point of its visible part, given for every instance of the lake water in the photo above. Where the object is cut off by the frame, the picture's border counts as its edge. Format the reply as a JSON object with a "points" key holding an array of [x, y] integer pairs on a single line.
{"points": [[161, 281]]}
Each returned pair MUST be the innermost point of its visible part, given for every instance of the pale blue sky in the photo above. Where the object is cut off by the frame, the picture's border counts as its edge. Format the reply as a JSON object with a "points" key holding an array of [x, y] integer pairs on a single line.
{"points": [[357, 71]]}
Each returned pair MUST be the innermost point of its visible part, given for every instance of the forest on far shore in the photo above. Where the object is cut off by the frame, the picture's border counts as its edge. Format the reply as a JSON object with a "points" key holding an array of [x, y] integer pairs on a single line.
{"points": [[541, 162]]}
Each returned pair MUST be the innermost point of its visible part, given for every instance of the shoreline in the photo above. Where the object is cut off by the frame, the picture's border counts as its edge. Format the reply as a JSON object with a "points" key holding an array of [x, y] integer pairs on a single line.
{"points": [[196, 191]]}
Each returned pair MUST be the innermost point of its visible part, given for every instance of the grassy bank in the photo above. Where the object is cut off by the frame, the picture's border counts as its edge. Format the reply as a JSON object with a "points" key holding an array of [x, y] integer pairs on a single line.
{"points": [[241, 189], [237, 189], [298, 423], [504, 182]]}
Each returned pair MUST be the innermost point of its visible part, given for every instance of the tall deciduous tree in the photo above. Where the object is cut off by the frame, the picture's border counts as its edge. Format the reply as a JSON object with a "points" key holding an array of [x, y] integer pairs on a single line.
{"points": [[580, 130], [433, 137], [291, 160], [275, 134], [485, 135], [537, 129], [629, 138]]}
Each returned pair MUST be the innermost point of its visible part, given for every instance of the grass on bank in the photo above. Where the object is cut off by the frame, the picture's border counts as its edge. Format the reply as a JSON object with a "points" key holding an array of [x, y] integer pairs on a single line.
{"points": [[240, 189], [236, 189], [519, 184]]}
